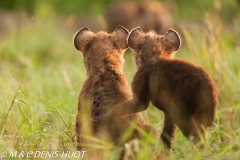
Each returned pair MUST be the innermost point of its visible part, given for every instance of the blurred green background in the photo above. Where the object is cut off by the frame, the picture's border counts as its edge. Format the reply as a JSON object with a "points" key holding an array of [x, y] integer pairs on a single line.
{"points": [[186, 9], [41, 72]]}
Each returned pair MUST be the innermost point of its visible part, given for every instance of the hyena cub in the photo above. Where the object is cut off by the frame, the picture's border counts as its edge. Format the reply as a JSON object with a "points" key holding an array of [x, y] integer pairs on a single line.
{"points": [[104, 87], [183, 91]]}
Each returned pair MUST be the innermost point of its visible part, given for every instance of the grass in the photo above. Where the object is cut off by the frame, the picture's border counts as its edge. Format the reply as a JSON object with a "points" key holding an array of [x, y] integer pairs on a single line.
{"points": [[42, 73]]}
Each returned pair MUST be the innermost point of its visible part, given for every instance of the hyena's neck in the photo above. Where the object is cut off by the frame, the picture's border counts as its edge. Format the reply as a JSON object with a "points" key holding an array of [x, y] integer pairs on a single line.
{"points": [[112, 63]]}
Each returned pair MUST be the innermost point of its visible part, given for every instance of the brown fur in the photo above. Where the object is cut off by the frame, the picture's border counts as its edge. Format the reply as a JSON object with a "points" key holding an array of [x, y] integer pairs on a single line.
{"points": [[104, 87], [183, 91], [149, 15]]}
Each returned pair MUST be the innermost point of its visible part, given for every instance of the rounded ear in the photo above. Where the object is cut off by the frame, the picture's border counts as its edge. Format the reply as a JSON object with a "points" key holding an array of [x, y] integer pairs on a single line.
{"points": [[136, 38], [120, 37], [82, 37], [120, 29], [172, 41]]}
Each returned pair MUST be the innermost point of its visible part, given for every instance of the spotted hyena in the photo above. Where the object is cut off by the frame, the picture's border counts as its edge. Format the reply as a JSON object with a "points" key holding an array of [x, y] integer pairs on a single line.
{"points": [[105, 86], [182, 90]]}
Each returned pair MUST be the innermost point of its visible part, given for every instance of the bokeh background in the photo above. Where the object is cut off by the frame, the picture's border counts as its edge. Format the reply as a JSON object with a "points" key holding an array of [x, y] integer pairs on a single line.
{"points": [[41, 73]]}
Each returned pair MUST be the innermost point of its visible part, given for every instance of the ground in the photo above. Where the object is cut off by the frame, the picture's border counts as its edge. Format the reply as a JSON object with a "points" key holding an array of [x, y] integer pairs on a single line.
{"points": [[41, 76]]}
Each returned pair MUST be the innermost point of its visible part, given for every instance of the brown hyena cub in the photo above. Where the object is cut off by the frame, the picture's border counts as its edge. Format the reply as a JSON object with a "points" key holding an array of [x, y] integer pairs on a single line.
{"points": [[183, 91], [104, 87]]}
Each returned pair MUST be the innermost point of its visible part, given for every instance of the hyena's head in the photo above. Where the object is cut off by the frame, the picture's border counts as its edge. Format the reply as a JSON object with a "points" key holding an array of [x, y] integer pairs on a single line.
{"points": [[149, 47], [101, 50]]}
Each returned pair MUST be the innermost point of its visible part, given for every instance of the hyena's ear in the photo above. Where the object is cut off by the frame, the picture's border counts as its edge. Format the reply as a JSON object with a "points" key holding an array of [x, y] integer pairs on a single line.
{"points": [[171, 41], [81, 38], [119, 37], [136, 39]]}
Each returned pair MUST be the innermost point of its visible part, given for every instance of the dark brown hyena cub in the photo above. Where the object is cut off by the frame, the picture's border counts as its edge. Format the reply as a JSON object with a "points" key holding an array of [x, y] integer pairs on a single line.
{"points": [[183, 91], [104, 87]]}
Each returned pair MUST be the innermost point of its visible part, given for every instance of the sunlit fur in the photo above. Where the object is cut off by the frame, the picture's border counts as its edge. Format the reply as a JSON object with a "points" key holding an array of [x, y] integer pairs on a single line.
{"points": [[104, 87]]}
